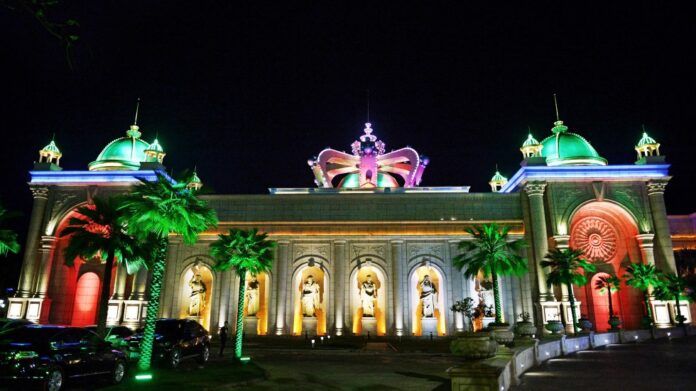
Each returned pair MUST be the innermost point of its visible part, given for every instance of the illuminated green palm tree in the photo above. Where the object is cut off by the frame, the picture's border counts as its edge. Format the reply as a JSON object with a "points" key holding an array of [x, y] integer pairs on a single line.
{"points": [[243, 251], [644, 277], [493, 254], [96, 233], [567, 267], [8, 238], [157, 209], [609, 285], [672, 288]]}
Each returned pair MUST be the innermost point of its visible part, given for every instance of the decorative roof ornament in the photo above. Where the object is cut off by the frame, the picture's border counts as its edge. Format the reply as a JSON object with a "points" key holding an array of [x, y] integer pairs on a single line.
{"points": [[558, 126], [497, 181], [50, 153], [194, 182], [648, 149], [531, 147], [368, 166], [134, 131], [155, 152]]}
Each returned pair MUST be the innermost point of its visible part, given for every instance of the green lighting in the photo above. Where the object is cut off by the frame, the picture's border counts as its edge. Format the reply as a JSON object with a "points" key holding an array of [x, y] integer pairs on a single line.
{"points": [[143, 377], [245, 359]]}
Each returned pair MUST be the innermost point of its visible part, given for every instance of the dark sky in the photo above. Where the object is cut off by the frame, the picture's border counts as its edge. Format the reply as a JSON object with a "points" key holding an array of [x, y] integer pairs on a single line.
{"points": [[249, 92]]}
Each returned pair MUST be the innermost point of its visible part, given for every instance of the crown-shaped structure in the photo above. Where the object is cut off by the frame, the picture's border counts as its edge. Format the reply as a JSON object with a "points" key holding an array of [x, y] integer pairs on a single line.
{"points": [[497, 181], [155, 152], [531, 147], [368, 166], [50, 154], [647, 146]]}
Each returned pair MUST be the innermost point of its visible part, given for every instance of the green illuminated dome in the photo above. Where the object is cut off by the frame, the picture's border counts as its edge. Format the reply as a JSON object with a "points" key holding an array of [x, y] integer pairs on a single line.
{"points": [[125, 153], [564, 148], [383, 180], [646, 140]]}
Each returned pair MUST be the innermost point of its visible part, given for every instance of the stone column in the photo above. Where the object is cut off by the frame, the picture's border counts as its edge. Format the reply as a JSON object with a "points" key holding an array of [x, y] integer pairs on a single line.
{"points": [[397, 261], [139, 286], [282, 285], [339, 283], [44, 272], [457, 288], [120, 282], [535, 192], [27, 275], [664, 254]]}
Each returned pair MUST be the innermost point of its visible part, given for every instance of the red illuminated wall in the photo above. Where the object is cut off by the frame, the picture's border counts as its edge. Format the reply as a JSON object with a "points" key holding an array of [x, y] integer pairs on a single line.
{"points": [[86, 299]]}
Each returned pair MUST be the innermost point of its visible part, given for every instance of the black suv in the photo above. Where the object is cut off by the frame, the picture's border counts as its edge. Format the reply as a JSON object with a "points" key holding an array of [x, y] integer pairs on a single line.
{"points": [[50, 355], [175, 341]]}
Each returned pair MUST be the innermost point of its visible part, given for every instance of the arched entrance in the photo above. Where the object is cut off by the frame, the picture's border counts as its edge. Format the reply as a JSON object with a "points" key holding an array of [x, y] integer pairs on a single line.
{"points": [[606, 233], [196, 294], [427, 300], [86, 300], [368, 300], [310, 298]]}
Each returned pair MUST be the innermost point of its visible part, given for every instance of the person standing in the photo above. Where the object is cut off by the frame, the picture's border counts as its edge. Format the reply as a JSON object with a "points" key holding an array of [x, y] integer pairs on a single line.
{"points": [[223, 336]]}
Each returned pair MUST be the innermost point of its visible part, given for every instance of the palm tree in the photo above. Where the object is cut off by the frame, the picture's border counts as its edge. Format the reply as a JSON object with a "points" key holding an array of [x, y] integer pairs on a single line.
{"points": [[567, 267], [672, 288], [609, 285], [8, 238], [243, 251], [644, 276], [96, 232], [493, 254], [154, 210]]}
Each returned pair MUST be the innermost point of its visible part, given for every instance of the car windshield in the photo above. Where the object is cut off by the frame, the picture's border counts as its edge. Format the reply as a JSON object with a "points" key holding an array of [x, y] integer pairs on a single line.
{"points": [[168, 327], [27, 336]]}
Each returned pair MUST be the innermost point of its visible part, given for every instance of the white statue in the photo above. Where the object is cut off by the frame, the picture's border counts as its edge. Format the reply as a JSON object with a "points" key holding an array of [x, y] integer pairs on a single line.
{"points": [[310, 297], [428, 297], [368, 295], [252, 297], [198, 290]]}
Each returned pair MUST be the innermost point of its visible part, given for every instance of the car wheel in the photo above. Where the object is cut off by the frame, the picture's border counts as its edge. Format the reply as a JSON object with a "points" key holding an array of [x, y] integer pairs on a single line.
{"points": [[118, 373], [175, 358], [205, 355], [54, 380]]}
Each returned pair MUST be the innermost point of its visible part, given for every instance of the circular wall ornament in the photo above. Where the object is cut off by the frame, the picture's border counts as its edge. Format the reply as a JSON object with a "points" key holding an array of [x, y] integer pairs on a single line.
{"points": [[596, 238]]}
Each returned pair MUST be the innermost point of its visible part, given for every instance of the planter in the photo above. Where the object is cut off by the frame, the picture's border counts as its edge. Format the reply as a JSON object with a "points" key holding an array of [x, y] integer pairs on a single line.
{"points": [[502, 333], [585, 324], [614, 322], [525, 329], [474, 346], [554, 326]]}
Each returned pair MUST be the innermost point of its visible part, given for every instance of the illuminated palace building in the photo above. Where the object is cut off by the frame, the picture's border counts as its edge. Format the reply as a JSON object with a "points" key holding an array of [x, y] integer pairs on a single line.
{"points": [[368, 250]]}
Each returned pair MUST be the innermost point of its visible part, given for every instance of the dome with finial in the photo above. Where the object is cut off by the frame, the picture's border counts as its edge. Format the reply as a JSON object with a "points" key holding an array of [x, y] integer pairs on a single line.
{"points": [[194, 182], [647, 146], [155, 152], [50, 153], [497, 181], [124, 153], [531, 147]]}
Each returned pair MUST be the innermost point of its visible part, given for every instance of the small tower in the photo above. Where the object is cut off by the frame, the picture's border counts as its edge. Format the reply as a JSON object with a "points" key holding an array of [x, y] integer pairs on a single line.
{"points": [[155, 152], [194, 182], [648, 150], [49, 157], [497, 181]]}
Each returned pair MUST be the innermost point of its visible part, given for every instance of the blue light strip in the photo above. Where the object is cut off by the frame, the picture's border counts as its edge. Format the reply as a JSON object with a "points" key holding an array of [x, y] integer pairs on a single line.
{"points": [[90, 177], [638, 171]]}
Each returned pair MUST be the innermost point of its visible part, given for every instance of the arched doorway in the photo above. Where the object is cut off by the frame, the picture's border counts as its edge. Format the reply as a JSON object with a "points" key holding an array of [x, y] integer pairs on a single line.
{"points": [[310, 295], [606, 233], [86, 300], [256, 302], [427, 299], [368, 300], [196, 294]]}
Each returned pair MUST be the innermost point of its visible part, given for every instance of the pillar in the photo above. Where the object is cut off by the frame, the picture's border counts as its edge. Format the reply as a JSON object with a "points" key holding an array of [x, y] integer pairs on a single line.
{"points": [[535, 192], [27, 274], [339, 283], [282, 285], [664, 254], [44, 272], [457, 286], [139, 286], [120, 282], [397, 261]]}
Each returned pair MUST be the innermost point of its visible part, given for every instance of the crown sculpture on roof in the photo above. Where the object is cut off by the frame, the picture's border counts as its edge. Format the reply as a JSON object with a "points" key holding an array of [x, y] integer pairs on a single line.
{"points": [[369, 166]]}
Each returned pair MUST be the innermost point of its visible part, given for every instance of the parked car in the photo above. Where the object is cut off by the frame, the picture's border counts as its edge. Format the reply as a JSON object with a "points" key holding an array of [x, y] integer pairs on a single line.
{"points": [[175, 340], [51, 355], [116, 335], [11, 324]]}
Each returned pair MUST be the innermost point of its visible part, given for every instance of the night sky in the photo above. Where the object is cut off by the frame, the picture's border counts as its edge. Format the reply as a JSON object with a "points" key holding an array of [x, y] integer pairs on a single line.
{"points": [[248, 93]]}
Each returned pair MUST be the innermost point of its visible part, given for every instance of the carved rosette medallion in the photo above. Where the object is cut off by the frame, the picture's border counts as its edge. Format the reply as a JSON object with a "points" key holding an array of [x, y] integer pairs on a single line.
{"points": [[596, 238]]}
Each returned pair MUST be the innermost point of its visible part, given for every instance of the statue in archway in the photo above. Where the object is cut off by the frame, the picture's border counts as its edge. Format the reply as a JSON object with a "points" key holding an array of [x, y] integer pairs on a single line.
{"points": [[198, 291], [252, 296], [428, 297], [368, 296], [310, 297]]}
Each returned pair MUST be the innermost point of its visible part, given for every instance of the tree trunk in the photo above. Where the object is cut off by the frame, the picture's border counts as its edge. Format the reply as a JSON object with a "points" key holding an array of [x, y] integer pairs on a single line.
{"points": [[571, 300], [104, 295], [240, 316], [648, 311], [145, 360], [679, 314], [496, 299]]}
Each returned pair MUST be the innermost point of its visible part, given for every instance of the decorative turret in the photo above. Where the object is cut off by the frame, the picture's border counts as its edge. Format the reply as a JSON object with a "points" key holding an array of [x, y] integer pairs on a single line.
{"points": [[155, 152], [194, 182], [648, 150], [369, 165], [497, 181], [49, 157], [531, 147]]}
